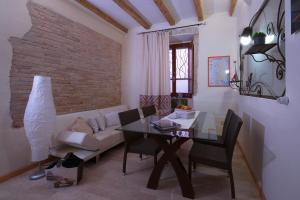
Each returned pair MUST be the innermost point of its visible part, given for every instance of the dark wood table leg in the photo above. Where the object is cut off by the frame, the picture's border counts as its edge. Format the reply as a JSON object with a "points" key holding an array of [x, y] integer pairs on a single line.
{"points": [[171, 156]]}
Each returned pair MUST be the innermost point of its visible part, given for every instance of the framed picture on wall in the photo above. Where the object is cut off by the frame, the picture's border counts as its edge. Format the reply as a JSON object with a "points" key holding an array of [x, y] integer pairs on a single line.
{"points": [[295, 15], [218, 71]]}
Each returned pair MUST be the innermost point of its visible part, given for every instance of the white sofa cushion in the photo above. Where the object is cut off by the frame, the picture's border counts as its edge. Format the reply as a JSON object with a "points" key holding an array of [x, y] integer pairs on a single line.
{"points": [[101, 121], [79, 139], [109, 137], [92, 122], [112, 119], [111, 114]]}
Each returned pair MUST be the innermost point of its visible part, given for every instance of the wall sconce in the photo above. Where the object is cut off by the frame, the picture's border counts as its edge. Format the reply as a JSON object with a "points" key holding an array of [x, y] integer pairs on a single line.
{"points": [[235, 81], [270, 39], [270, 33], [246, 36]]}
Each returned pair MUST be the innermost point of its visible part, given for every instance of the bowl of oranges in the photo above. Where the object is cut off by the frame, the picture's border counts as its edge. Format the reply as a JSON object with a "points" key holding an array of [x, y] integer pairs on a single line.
{"points": [[185, 112], [183, 107]]}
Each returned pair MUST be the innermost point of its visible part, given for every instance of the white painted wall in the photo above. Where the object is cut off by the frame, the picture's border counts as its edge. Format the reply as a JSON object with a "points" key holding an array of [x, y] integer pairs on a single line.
{"points": [[217, 38], [15, 21], [270, 136]]}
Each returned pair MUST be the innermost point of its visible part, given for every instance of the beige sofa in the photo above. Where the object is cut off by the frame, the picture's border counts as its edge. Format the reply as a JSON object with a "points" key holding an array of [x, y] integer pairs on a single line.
{"points": [[106, 139]]}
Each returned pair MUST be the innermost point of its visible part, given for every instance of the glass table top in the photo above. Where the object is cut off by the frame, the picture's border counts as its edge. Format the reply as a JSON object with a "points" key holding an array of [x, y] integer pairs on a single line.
{"points": [[203, 127]]}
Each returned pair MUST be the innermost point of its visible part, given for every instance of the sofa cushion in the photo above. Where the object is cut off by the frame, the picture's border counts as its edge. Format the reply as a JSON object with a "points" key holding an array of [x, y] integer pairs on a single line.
{"points": [[101, 121], [109, 137], [93, 124], [80, 125], [112, 119], [79, 139], [111, 115]]}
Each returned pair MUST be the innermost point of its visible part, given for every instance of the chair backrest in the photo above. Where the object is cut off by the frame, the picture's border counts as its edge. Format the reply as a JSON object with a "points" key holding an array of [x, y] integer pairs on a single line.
{"points": [[148, 110], [233, 130], [129, 116], [226, 123]]}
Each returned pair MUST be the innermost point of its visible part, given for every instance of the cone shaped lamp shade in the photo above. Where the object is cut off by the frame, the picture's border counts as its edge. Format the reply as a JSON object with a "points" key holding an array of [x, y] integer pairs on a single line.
{"points": [[40, 118]]}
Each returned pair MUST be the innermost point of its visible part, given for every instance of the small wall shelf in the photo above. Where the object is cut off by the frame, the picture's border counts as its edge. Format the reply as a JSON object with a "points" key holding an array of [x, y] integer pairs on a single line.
{"points": [[260, 49]]}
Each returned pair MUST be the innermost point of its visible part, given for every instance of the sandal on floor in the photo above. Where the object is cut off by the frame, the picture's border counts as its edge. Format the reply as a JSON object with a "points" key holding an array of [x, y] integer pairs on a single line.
{"points": [[51, 177], [65, 182]]}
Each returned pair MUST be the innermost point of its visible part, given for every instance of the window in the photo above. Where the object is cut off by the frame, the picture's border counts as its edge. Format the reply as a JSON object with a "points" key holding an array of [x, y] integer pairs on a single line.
{"points": [[181, 69]]}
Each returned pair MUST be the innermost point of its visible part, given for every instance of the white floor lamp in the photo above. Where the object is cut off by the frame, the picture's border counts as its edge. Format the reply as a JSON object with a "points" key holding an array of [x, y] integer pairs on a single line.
{"points": [[39, 121]]}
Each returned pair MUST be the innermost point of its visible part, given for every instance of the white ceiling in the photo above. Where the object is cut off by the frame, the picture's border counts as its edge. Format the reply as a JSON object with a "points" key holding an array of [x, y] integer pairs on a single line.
{"points": [[181, 9]]}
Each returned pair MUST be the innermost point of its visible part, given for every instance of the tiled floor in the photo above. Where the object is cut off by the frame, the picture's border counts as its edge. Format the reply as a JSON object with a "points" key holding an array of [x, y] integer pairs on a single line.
{"points": [[105, 181]]}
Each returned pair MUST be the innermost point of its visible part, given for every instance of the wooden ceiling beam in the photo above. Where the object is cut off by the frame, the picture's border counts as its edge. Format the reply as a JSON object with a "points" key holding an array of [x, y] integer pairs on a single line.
{"points": [[132, 11], [103, 15], [165, 11], [198, 8], [232, 7]]}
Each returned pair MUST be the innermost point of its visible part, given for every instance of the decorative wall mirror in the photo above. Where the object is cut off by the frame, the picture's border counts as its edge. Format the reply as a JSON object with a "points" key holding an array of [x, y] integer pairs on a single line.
{"points": [[295, 16], [262, 53]]}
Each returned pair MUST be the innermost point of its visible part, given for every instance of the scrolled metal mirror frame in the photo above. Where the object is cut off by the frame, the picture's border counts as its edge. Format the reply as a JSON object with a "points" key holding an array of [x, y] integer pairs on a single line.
{"points": [[250, 88]]}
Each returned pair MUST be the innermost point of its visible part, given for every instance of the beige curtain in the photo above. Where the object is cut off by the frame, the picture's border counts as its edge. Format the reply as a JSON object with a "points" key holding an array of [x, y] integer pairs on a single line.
{"points": [[156, 71]]}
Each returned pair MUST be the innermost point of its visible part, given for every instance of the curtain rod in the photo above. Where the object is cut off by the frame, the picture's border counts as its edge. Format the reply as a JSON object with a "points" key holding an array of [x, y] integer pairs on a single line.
{"points": [[168, 29]]}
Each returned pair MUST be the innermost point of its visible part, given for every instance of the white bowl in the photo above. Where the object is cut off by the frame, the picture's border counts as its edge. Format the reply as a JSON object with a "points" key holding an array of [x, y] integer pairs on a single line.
{"points": [[185, 114]]}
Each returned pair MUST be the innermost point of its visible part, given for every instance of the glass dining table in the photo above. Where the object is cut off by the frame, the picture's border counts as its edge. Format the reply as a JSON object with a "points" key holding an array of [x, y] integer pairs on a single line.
{"points": [[203, 126]]}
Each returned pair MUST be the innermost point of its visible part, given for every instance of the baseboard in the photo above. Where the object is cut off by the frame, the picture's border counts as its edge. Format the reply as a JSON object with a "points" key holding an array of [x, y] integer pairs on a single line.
{"points": [[23, 170], [261, 192]]}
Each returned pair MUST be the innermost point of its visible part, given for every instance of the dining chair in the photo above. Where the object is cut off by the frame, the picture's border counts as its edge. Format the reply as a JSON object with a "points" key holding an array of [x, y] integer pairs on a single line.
{"points": [[218, 156], [220, 139], [135, 142], [149, 110]]}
